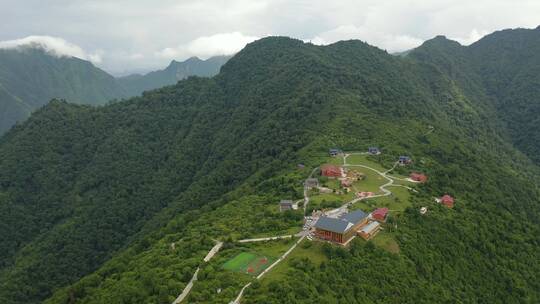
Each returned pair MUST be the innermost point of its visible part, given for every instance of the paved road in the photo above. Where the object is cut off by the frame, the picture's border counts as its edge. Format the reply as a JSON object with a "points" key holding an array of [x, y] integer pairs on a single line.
{"points": [[213, 251], [343, 209], [237, 300], [337, 211], [306, 197], [271, 238], [281, 258], [188, 287]]}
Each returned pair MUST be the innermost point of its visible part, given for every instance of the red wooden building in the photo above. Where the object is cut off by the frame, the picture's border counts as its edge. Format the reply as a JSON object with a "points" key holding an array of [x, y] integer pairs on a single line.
{"points": [[330, 170], [380, 214], [418, 177], [342, 229], [345, 183], [447, 200]]}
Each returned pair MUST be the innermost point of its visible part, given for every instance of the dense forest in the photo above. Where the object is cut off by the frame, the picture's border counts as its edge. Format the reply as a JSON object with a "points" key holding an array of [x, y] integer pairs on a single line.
{"points": [[92, 198], [30, 77], [136, 84]]}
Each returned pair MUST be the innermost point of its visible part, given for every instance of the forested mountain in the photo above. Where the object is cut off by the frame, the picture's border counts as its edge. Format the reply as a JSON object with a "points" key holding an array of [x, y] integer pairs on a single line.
{"points": [[504, 67], [136, 84], [30, 77], [118, 204]]}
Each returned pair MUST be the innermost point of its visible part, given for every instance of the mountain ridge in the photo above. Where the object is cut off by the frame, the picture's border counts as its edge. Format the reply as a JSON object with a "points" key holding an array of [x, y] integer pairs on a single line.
{"points": [[31, 76], [97, 196]]}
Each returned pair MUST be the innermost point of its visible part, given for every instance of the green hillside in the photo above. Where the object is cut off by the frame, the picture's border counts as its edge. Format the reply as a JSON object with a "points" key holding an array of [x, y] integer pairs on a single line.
{"points": [[33, 77], [136, 84], [503, 69], [30, 77], [120, 203]]}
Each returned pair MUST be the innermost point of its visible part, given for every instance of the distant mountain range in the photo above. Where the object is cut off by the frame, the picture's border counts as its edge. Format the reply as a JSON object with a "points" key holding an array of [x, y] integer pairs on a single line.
{"points": [[30, 77], [135, 84], [121, 203]]}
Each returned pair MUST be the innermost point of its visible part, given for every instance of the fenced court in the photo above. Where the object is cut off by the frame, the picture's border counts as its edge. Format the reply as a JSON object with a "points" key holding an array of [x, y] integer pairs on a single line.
{"points": [[248, 263]]}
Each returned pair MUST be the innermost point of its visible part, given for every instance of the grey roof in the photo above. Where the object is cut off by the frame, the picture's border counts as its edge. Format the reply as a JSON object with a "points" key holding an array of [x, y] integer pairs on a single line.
{"points": [[333, 224], [342, 224], [370, 227], [312, 181], [286, 202], [355, 216]]}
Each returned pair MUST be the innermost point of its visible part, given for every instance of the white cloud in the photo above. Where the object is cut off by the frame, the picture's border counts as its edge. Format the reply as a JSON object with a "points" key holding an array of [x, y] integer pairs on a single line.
{"points": [[53, 45], [388, 41], [473, 36], [172, 29], [207, 46]]}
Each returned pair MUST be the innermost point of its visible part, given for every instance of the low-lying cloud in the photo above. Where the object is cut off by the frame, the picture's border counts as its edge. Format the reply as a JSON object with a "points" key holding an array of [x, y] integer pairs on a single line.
{"points": [[391, 42], [144, 35], [52, 45], [207, 46]]}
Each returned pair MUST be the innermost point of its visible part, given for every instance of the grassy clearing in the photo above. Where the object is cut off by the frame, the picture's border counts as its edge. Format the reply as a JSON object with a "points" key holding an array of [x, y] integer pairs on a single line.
{"points": [[363, 160], [371, 183], [240, 261], [271, 248], [386, 241], [397, 202], [248, 263], [306, 249]]}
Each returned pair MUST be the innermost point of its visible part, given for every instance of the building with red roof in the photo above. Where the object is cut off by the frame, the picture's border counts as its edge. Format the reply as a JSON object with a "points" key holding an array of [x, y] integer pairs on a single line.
{"points": [[418, 177], [345, 183], [447, 200], [330, 170], [380, 214]]}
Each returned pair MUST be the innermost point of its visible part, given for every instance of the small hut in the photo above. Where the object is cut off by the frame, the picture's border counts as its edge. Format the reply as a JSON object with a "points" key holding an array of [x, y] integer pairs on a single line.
{"points": [[447, 200]]}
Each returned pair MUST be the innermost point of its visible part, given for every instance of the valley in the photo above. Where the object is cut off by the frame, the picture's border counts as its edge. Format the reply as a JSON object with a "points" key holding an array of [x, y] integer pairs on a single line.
{"points": [[123, 203]]}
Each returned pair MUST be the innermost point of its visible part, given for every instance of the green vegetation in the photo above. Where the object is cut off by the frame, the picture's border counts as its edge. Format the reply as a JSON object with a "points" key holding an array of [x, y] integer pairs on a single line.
{"points": [[248, 263], [93, 199], [30, 77], [500, 71], [136, 84]]}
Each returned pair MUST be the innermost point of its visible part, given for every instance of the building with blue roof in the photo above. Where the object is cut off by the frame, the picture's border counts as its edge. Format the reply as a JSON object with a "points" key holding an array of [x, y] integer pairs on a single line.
{"points": [[342, 229], [374, 151], [404, 160], [334, 152]]}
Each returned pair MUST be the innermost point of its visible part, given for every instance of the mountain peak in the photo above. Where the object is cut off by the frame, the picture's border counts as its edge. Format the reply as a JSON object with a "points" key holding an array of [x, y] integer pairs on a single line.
{"points": [[442, 40]]}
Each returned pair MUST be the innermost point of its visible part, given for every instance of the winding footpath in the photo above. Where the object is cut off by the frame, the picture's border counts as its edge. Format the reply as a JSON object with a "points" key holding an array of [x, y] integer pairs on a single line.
{"points": [[189, 285], [306, 196], [301, 234], [272, 238], [343, 208]]}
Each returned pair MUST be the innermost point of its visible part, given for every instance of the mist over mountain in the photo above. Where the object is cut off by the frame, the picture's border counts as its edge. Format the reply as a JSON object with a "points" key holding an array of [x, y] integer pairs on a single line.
{"points": [[136, 84], [30, 77], [120, 203]]}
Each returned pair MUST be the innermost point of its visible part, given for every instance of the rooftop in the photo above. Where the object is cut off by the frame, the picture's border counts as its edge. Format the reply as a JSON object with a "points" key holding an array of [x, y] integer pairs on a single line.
{"points": [[342, 224], [354, 216], [370, 227], [286, 202], [333, 224]]}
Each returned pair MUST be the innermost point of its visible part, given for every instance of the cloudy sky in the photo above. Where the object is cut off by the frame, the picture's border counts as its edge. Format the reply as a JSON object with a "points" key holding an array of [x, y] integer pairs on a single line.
{"points": [[122, 36]]}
